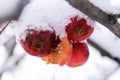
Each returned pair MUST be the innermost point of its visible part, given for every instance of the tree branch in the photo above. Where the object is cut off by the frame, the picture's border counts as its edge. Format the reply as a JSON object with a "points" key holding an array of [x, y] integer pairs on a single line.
{"points": [[108, 20], [102, 51], [17, 12]]}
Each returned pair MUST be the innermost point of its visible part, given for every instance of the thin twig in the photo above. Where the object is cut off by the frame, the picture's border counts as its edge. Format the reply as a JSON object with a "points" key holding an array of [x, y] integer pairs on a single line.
{"points": [[102, 51], [5, 27]]}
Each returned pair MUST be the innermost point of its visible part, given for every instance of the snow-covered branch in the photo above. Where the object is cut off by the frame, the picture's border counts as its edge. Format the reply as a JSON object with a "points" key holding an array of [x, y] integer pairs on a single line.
{"points": [[103, 51], [14, 15], [108, 20]]}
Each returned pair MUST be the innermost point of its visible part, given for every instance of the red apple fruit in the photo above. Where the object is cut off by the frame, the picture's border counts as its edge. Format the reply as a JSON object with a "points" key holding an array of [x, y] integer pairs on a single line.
{"points": [[40, 43], [79, 56], [78, 29]]}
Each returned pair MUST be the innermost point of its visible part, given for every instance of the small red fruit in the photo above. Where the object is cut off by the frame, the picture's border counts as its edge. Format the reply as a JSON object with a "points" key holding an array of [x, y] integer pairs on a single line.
{"points": [[78, 29], [61, 54], [80, 54], [40, 43]]}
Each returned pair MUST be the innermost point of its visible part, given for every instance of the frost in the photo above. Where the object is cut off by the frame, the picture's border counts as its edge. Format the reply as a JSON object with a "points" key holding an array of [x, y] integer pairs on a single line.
{"points": [[54, 13]]}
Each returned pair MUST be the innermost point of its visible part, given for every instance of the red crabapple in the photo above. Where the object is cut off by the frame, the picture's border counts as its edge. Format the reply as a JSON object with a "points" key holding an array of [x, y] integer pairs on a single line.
{"points": [[40, 43], [79, 56], [78, 29]]}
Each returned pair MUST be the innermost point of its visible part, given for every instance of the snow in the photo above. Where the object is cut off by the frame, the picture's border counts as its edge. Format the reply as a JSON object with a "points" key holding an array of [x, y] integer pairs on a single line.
{"points": [[56, 13], [89, 69], [21, 31], [34, 68], [50, 13], [9, 76], [115, 75], [115, 3], [103, 37], [107, 5], [7, 34], [3, 55], [8, 9], [118, 20]]}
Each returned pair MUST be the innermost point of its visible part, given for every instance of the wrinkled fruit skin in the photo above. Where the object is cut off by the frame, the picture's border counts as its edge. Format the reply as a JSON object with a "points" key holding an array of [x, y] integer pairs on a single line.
{"points": [[61, 54], [78, 29], [80, 54], [40, 43]]}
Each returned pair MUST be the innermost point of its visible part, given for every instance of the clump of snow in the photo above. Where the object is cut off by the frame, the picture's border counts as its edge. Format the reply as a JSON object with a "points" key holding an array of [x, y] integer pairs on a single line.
{"points": [[106, 6], [53, 13], [21, 29]]}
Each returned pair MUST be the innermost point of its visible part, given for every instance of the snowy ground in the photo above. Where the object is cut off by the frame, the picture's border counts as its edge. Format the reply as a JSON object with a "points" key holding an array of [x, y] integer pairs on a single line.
{"points": [[98, 67]]}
